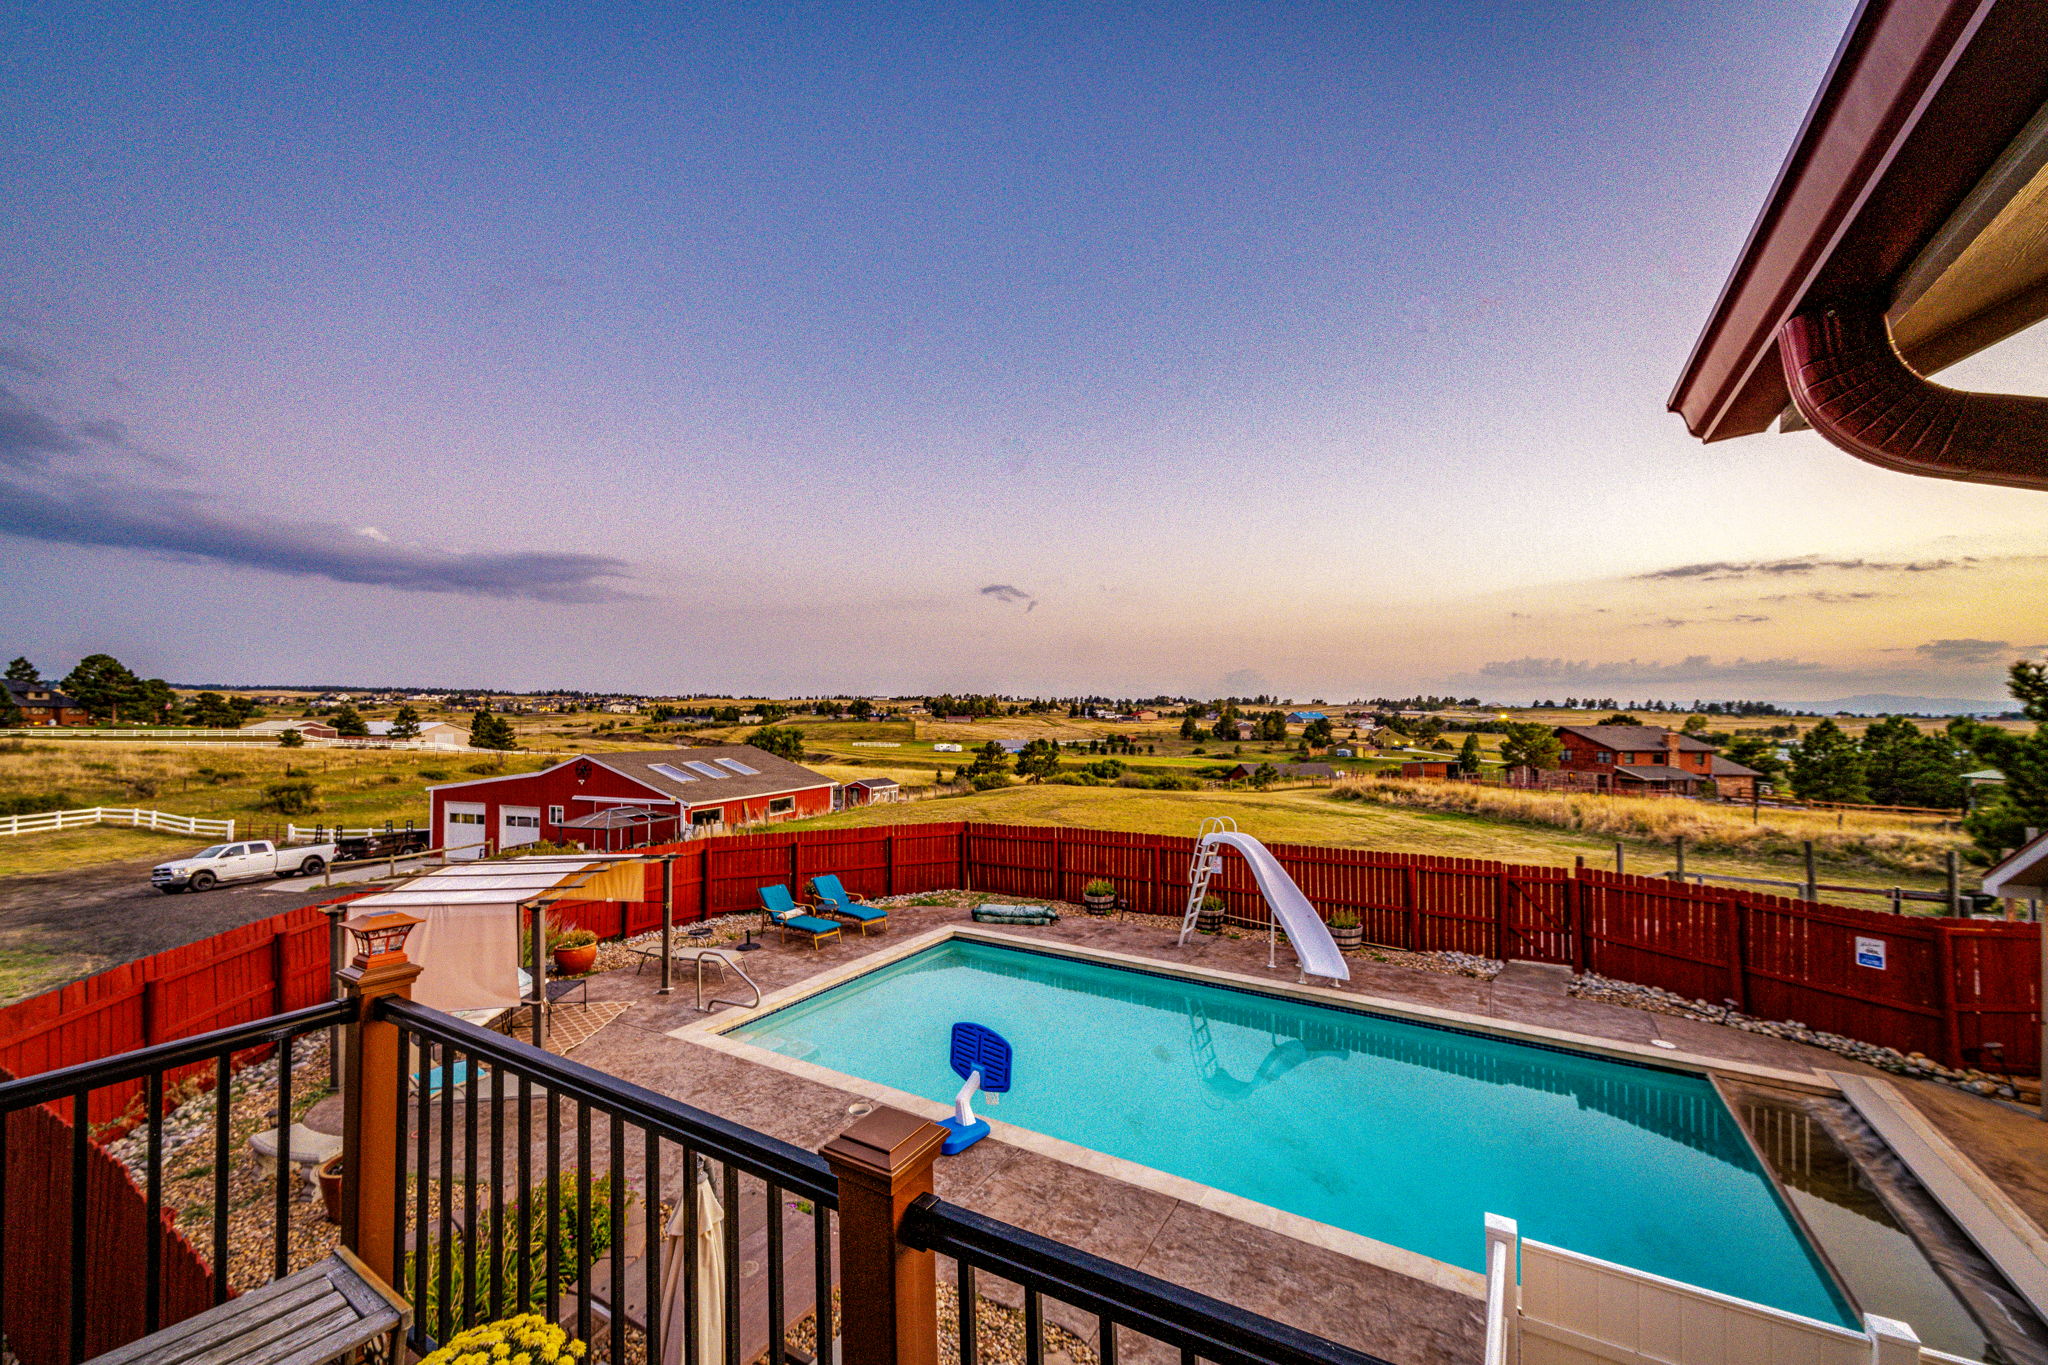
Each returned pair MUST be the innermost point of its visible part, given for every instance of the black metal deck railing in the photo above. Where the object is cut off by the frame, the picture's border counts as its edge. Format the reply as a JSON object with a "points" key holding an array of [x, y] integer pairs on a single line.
{"points": [[1119, 1298], [515, 1184], [565, 1229], [69, 1090]]}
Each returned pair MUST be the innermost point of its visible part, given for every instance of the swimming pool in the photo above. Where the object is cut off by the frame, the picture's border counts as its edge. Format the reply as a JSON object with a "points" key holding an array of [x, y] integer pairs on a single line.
{"points": [[1395, 1130]]}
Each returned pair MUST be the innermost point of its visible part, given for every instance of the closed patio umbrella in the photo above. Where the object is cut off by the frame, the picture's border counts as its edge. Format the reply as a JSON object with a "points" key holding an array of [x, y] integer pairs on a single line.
{"points": [[710, 1254]]}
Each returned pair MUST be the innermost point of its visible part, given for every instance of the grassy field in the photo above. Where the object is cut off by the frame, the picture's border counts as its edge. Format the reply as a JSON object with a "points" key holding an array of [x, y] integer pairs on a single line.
{"points": [[350, 787], [1315, 816]]}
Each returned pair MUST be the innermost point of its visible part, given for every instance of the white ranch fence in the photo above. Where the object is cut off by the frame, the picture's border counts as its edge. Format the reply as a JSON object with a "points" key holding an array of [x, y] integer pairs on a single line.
{"points": [[1569, 1309], [113, 815], [249, 737]]}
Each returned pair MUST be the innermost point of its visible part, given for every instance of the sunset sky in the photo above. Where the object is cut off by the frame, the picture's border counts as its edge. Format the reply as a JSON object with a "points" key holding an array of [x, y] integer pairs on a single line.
{"points": [[1318, 349]]}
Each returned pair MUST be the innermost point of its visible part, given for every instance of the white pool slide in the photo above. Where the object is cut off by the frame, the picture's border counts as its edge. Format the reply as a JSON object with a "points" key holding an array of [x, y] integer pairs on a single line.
{"points": [[1304, 928]]}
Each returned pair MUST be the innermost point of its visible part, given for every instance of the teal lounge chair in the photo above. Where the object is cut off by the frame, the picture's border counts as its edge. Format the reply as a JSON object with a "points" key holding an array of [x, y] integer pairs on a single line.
{"points": [[785, 913], [836, 900]]}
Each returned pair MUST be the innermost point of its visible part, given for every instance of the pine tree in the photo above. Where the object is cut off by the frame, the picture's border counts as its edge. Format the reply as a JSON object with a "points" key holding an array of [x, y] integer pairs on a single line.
{"points": [[103, 685], [10, 710], [1904, 765], [22, 673], [1827, 766], [349, 723], [1468, 757], [1038, 760], [2001, 821], [491, 731], [406, 724]]}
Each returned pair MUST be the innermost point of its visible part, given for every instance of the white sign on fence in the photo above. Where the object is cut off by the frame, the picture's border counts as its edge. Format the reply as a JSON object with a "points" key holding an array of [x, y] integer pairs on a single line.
{"points": [[1870, 953]]}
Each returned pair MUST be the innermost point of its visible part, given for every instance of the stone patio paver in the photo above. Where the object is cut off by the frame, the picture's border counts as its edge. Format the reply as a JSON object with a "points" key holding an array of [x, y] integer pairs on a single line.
{"points": [[1373, 1309]]}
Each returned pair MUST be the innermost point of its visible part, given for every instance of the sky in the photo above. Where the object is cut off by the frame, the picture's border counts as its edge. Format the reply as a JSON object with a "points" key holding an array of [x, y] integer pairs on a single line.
{"points": [[1315, 349]]}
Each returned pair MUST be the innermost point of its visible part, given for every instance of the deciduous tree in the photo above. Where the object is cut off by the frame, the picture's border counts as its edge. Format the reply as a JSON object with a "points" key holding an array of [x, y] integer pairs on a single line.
{"points": [[1038, 760], [784, 741], [2001, 821]]}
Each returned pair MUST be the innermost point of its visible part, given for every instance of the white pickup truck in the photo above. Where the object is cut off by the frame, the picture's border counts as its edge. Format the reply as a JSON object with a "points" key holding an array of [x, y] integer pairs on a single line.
{"points": [[246, 861]]}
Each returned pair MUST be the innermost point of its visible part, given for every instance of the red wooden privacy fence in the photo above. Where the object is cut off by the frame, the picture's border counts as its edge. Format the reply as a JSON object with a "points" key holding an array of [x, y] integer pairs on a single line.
{"points": [[1945, 987], [37, 1271], [234, 977]]}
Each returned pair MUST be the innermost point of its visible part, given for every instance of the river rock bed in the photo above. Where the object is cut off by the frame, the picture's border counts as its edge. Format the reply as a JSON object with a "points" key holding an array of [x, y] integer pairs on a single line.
{"points": [[1657, 1000]]}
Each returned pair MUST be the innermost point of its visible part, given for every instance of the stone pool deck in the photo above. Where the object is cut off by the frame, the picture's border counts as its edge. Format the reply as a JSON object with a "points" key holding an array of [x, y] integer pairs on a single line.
{"points": [[1321, 1290]]}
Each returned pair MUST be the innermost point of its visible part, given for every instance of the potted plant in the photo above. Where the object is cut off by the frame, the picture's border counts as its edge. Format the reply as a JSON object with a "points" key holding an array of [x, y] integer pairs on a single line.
{"points": [[1345, 928], [574, 948], [1099, 896], [329, 1172], [1210, 918]]}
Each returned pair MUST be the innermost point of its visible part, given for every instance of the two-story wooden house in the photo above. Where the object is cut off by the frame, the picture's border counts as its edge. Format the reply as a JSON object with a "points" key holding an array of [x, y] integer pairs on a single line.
{"points": [[1650, 758], [42, 705]]}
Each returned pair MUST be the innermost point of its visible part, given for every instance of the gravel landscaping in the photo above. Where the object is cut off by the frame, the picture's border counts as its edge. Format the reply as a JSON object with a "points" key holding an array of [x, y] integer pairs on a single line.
{"points": [[1659, 1001]]}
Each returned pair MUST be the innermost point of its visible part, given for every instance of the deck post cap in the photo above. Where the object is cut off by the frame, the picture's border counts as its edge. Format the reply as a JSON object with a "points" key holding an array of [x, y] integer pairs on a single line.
{"points": [[884, 1144]]}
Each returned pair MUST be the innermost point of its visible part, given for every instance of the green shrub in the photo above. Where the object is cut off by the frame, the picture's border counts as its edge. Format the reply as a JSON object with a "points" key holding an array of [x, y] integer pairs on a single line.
{"points": [[434, 774], [1101, 886], [529, 1215], [290, 798], [982, 782], [36, 805]]}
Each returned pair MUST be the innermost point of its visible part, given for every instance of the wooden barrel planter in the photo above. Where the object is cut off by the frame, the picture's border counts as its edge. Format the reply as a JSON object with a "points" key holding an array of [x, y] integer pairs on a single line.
{"points": [[1098, 898], [1210, 918]]}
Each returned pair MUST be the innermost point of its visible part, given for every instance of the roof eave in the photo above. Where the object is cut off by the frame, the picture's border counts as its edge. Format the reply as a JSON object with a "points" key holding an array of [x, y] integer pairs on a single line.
{"points": [[1918, 105]]}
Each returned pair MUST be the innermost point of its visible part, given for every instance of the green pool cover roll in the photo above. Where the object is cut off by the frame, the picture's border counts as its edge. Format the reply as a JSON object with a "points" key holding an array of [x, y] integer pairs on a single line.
{"points": [[1015, 914]]}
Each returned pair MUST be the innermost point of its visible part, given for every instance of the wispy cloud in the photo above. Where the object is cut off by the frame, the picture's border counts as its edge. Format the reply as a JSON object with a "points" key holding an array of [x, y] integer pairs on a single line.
{"points": [[1967, 651], [110, 507], [1723, 570], [1675, 622], [1003, 592], [1694, 668], [1824, 597]]}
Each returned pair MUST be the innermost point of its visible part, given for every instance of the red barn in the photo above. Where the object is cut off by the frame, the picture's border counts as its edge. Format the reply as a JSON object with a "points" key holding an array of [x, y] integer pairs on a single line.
{"points": [[676, 790]]}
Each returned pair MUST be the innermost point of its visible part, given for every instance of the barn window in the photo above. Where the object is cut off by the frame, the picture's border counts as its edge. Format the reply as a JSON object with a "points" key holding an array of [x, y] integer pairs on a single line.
{"points": [[554, 815], [781, 805]]}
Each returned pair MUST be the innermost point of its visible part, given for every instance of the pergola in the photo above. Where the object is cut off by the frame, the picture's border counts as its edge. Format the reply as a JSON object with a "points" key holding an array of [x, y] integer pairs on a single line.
{"points": [[468, 942]]}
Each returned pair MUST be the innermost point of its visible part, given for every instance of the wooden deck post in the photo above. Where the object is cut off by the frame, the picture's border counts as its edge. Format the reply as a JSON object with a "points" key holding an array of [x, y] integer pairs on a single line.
{"points": [[890, 1292], [372, 1059]]}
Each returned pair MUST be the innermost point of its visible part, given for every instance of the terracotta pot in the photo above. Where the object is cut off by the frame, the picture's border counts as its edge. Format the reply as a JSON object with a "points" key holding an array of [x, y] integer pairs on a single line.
{"points": [[1098, 903], [330, 1186], [1348, 936], [576, 961]]}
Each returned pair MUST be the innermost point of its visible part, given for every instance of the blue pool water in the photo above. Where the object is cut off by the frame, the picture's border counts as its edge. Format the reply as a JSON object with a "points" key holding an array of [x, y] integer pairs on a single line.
{"points": [[1401, 1132]]}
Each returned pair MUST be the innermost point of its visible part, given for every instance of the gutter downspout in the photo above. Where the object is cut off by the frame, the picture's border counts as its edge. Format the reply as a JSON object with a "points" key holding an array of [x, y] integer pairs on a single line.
{"points": [[1849, 382]]}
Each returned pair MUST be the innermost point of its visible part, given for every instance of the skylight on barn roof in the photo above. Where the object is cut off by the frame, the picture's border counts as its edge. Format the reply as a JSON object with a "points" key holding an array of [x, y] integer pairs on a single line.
{"points": [[705, 768], [670, 770], [738, 767]]}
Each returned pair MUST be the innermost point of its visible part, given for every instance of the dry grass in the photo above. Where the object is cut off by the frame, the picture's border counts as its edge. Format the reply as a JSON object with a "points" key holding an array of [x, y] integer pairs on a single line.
{"points": [[1887, 841], [1312, 816]]}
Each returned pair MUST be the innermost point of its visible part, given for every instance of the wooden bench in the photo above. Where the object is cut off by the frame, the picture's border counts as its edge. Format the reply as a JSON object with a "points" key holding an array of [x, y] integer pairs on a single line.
{"points": [[335, 1310]]}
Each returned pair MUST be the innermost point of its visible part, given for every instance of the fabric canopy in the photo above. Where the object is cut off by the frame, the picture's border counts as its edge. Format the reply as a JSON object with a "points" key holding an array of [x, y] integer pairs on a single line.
{"points": [[468, 943]]}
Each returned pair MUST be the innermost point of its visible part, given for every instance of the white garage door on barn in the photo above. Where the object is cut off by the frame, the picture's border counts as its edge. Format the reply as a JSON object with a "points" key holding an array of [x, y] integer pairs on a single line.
{"points": [[462, 828], [518, 825]]}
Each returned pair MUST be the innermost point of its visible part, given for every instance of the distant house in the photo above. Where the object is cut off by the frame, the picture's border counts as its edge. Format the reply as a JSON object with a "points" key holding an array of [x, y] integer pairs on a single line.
{"points": [[1238, 729], [872, 791], [1144, 715], [310, 729], [1651, 758], [43, 705], [1304, 717], [435, 732], [1289, 772], [945, 748]]}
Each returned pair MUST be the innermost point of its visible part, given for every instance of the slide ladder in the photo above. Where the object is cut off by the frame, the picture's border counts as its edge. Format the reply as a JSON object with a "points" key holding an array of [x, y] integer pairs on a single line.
{"points": [[1208, 861], [1291, 911]]}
